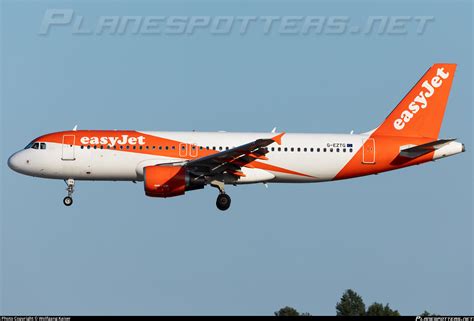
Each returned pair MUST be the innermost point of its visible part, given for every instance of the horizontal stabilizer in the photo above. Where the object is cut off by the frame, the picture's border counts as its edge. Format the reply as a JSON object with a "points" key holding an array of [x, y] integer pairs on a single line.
{"points": [[417, 151]]}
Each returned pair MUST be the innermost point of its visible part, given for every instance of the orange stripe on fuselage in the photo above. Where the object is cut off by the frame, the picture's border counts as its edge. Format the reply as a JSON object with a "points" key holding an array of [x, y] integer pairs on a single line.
{"points": [[387, 149], [150, 141]]}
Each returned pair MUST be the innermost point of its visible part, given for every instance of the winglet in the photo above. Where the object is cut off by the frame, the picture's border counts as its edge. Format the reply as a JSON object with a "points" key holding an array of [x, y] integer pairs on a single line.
{"points": [[277, 138]]}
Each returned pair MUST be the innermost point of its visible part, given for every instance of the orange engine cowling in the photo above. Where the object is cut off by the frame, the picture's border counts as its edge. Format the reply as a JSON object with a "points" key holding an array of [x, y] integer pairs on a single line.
{"points": [[168, 181]]}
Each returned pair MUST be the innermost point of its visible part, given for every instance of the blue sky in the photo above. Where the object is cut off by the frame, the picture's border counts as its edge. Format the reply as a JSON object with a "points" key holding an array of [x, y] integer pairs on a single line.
{"points": [[402, 237]]}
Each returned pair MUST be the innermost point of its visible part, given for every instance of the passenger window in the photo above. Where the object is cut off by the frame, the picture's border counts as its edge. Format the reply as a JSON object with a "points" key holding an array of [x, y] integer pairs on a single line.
{"points": [[350, 150], [324, 149], [318, 150], [305, 149], [337, 150], [286, 149], [330, 149], [279, 149], [343, 150], [311, 149]]}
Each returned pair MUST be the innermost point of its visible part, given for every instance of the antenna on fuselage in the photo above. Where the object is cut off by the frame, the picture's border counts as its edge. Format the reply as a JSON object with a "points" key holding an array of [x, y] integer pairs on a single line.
{"points": [[274, 130], [352, 132], [75, 128]]}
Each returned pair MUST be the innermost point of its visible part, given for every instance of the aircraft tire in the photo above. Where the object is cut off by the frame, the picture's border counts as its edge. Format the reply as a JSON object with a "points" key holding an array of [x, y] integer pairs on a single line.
{"points": [[67, 201], [223, 202]]}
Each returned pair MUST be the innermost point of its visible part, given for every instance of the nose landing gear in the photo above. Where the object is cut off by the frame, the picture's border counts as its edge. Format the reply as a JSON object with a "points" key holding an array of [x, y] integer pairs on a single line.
{"points": [[223, 200], [67, 201], [70, 189]]}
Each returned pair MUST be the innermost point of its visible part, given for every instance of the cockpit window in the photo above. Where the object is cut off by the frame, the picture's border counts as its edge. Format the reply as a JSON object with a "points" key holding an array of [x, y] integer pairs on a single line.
{"points": [[36, 145], [29, 145]]}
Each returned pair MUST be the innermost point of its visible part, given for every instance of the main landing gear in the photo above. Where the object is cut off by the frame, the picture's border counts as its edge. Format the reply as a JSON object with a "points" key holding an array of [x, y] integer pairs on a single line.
{"points": [[223, 200], [70, 189]]}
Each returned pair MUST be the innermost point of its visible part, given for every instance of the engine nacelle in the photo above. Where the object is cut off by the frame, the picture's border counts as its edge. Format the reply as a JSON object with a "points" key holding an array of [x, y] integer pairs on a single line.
{"points": [[169, 181]]}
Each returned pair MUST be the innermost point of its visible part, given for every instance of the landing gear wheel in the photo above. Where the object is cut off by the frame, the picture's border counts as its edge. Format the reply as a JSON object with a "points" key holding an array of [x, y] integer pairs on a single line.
{"points": [[70, 189], [223, 202], [67, 201]]}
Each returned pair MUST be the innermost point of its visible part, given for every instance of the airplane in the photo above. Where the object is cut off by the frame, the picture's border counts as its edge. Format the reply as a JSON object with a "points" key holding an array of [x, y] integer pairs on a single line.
{"points": [[172, 163]]}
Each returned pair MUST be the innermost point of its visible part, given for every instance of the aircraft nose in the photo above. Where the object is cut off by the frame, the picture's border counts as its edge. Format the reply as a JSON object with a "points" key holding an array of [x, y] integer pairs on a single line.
{"points": [[14, 162]]}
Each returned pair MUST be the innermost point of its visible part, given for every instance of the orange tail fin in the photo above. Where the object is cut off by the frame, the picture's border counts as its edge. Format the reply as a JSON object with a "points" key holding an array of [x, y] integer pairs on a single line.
{"points": [[420, 113]]}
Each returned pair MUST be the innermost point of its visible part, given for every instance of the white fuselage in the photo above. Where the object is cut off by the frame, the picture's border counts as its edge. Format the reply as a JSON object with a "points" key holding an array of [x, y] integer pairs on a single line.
{"points": [[319, 157]]}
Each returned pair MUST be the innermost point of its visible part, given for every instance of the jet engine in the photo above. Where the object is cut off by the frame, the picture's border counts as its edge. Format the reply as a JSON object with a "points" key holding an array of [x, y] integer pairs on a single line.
{"points": [[169, 181]]}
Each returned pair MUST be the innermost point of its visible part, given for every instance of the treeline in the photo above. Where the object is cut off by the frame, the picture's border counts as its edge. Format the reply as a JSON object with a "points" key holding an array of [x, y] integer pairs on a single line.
{"points": [[352, 304]]}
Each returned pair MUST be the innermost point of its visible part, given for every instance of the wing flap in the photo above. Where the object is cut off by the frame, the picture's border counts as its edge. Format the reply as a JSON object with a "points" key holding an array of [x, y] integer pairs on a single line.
{"points": [[232, 160]]}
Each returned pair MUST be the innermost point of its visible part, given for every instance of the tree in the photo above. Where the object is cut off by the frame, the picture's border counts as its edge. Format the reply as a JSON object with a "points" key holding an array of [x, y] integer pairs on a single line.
{"points": [[427, 314], [378, 310], [351, 304], [287, 312]]}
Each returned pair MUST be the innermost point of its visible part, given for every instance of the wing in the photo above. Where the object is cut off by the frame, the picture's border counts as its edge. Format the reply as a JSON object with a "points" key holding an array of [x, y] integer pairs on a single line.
{"points": [[232, 160], [417, 151]]}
